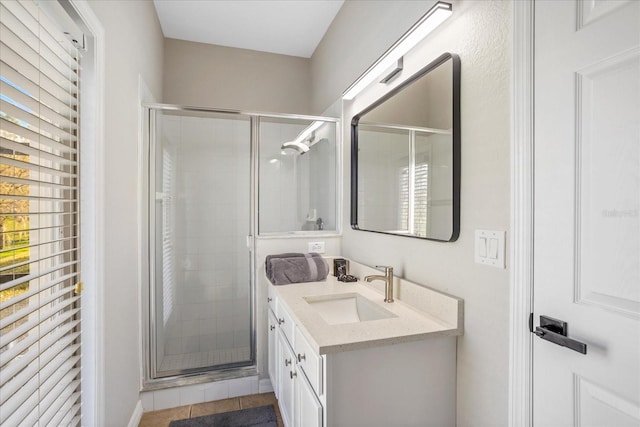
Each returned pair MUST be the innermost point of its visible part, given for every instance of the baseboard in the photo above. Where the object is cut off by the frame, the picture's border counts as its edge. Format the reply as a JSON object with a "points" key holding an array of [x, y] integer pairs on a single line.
{"points": [[136, 416], [264, 386]]}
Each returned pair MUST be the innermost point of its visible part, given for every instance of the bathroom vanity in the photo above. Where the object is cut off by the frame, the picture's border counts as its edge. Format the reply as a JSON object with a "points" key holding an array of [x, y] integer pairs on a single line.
{"points": [[340, 356]]}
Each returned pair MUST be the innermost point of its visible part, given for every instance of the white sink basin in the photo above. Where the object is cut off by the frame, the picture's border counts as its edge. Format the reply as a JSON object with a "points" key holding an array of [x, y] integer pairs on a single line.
{"points": [[347, 308]]}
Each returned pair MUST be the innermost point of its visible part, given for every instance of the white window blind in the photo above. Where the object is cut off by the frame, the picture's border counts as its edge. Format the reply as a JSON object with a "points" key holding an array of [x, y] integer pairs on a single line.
{"points": [[39, 242], [418, 204]]}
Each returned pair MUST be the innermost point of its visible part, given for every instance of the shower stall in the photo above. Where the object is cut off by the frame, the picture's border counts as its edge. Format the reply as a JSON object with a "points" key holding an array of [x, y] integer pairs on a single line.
{"points": [[205, 171]]}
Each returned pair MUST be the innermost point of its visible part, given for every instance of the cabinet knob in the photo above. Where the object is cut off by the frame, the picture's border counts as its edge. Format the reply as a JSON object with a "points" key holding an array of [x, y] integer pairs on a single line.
{"points": [[280, 321], [293, 374], [287, 362], [272, 327], [301, 357], [269, 299]]}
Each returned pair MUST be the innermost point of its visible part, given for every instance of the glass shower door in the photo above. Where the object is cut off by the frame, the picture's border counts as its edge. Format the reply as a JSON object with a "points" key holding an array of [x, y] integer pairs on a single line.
{"points": [[200, 216]]}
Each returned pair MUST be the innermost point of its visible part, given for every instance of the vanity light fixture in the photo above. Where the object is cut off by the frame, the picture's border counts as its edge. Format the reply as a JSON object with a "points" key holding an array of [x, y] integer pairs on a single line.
{"points": [[429, 22], [304, 136]]}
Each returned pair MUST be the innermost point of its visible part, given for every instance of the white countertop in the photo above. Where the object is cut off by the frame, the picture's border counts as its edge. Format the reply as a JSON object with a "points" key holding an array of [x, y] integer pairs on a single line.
{"points": [[411, 324]]}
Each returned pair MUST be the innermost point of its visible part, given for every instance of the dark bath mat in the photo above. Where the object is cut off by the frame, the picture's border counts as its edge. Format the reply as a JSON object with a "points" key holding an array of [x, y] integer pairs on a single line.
{"points": [[262, 416]]}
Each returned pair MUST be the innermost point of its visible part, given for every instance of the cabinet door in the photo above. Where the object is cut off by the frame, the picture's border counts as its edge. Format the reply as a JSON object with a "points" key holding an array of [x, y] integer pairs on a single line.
{"points": [[287, 374], [273, 366], [308, 408]]}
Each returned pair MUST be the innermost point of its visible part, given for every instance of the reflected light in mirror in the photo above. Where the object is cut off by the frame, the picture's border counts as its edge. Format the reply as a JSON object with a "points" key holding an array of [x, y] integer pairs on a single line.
{"points": [[429, 22]]}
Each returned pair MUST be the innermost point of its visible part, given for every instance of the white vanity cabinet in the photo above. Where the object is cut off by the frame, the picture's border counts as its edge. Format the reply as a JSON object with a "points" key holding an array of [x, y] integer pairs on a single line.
{"points": [[272, 337], [308, 407], [298, 402], [286, 378], [396, 370]]}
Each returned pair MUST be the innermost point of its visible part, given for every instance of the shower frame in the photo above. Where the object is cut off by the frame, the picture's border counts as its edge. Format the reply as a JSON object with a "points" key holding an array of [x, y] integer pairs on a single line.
{"points": [[150, 381]]}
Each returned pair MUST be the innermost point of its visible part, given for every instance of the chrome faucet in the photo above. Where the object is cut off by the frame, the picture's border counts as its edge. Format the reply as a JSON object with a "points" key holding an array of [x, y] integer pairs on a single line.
{"points": [[388, 281]]}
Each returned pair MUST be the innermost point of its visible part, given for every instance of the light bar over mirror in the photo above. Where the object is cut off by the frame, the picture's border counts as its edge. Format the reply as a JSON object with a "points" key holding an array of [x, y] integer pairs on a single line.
{"points": [[429, 22]]}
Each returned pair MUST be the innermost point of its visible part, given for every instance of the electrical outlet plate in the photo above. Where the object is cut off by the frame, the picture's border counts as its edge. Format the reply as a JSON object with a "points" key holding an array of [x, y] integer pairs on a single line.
{"points": [[317, 247]]}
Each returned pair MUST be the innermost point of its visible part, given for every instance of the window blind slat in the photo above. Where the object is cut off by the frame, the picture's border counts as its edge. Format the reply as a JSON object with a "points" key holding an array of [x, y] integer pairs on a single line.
{"points": [[33, 96], [35, 261], [15, 400], [32, 260], [35, 137], [11, 353], [41, 214], [56, 399], [31, 119], [19, 365], [67, 412], [22, 416], [26, 327], [51, 185], [50, 34], [36, 246], [23, 41], [52, 374], [18, 381], [34, 198], [71, 418], [35, 168], [37, 290], [44, 30], [28, 278], [31, 308], [20, 148], [10, 56], [54, 377]]}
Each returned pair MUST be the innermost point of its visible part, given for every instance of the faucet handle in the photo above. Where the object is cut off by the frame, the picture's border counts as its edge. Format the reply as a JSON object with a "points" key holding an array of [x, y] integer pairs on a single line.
{"points": [[387, 269]]}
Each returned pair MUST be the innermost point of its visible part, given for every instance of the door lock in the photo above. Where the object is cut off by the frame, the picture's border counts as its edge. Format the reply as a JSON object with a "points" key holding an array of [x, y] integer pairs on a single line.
{"points": [[555, 331]]}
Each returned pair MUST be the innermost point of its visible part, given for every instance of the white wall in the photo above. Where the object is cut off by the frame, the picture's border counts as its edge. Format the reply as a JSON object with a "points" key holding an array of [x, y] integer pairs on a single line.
{"points": [[361, 32], [238, 79], [134, 47], [479, 32]]}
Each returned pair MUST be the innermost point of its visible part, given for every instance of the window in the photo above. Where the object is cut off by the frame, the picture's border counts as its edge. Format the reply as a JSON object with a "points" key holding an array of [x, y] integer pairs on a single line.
{"points": [[413, 205], [39, 220]]}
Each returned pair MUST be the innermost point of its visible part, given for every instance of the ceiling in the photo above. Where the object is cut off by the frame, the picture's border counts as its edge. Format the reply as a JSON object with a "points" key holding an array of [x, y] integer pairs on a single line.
{"points": [[289, 27]]}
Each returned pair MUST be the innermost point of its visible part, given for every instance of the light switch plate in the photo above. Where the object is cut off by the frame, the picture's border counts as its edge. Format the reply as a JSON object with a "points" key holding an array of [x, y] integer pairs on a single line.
{"points": [[317, 247], [489, 248]]}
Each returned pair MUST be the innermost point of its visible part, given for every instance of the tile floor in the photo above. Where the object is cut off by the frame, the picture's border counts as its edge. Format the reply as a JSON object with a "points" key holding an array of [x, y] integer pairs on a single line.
{"points": [[164, 417]]}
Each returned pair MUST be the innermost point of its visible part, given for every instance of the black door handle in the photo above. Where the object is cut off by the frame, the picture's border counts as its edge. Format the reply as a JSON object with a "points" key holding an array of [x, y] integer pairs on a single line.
{"points": [[555, 331]]}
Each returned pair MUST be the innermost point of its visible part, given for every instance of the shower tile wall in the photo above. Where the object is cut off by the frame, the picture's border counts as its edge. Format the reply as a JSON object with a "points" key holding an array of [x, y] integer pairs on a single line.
{"points": [[281, 180], [208, 299]]}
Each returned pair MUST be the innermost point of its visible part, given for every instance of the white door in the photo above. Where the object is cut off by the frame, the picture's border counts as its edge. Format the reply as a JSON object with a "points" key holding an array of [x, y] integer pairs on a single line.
{"points": [[587, 211]]}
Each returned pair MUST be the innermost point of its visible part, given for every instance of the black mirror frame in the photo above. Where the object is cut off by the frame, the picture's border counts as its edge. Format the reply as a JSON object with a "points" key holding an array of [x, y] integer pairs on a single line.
{"points": [[455, 233]]}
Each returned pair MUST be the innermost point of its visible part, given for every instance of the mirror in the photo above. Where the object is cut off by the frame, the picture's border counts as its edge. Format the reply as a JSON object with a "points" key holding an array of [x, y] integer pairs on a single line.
{"points": [[405, 157]]}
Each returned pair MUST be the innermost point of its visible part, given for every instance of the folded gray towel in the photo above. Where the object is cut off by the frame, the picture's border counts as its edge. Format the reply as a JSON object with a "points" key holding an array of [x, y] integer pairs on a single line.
{"points": [[297, 269], [267, 262]]}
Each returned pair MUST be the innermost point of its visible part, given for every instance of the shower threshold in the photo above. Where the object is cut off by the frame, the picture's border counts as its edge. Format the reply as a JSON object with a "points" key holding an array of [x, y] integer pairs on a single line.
{"points": [[205, 359]]}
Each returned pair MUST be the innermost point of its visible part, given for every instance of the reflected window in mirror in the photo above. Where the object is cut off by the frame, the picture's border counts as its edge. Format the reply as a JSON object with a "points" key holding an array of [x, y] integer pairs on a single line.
{"points": [[406, 157]]}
